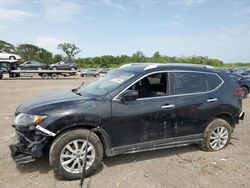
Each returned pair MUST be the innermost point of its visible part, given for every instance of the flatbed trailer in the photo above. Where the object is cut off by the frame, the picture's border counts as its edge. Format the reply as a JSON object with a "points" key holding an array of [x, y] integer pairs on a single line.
{"points": [[45, 74]]}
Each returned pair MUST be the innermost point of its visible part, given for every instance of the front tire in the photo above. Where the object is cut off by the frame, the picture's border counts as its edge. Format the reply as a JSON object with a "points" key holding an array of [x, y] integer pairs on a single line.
{"points": [[67, 152], [217, 135]]}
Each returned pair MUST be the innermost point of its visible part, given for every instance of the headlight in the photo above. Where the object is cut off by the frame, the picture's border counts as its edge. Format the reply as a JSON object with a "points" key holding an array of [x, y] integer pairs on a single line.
{"points": [[26, 119]]}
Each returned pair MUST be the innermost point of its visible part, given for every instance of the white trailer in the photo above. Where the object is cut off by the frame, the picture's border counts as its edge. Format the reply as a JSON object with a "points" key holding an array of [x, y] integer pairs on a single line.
{"points": [[45, 74]]}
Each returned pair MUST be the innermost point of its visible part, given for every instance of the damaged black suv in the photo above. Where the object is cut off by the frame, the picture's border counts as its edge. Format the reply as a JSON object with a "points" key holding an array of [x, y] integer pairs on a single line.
{"points": [[137, 107]]}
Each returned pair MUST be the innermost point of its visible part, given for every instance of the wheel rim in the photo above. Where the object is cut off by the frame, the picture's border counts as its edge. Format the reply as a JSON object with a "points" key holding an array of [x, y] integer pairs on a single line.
{"points": [[73, 69], [39, 68], [54, 76], [73, 153], [54, 68], [45, 76], [12, 58], [219, 138]]}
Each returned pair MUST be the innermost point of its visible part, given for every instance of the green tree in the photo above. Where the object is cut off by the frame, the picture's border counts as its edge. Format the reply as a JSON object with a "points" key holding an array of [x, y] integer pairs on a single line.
{"points": [[57, 58], [32, 52], [139, 57], [7, 46], [156, 55], [70, 50]]}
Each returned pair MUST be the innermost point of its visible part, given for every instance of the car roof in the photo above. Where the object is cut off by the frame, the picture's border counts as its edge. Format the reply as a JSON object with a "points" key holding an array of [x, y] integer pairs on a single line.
{"points": [[140, 67]]}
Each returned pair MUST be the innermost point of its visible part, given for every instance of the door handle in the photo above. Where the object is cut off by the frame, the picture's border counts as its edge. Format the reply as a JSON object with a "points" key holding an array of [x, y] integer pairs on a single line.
{"points": [[168, 106], [212, 100]]}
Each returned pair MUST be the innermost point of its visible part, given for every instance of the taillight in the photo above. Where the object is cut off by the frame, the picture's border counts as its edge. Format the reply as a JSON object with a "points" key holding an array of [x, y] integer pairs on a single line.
{"points": [[238, 92]]}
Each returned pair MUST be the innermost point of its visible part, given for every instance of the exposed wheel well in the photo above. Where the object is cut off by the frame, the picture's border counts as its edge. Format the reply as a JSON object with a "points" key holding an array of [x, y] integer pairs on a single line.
{"points": [[228, 118], [87, 127]]}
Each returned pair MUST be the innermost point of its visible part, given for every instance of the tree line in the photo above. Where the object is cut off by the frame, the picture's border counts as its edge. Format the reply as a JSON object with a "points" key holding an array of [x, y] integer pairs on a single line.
{"points": [[30, 52]]}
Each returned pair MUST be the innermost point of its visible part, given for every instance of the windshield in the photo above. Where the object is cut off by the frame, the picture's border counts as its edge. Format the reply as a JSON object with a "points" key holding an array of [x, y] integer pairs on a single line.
{"points": [[106, 84]]}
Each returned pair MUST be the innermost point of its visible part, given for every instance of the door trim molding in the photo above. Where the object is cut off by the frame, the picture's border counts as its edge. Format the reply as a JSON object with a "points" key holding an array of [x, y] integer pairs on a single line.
{"points": [[158, 144]]}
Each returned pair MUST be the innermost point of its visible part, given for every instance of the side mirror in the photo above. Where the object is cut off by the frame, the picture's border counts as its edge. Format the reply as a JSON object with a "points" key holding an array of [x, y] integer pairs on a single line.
{"points": [[129, 95]]}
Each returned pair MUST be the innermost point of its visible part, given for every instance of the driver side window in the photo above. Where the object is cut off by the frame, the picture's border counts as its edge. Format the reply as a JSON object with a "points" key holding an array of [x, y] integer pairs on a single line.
{"points": [[154, 85]]}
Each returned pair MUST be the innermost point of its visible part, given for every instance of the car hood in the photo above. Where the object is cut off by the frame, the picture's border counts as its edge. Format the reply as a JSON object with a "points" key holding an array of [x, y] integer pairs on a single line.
{"points": [[50, 101]]}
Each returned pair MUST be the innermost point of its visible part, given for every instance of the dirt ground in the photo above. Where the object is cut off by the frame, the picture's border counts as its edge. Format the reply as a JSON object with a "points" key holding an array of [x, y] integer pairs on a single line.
{"points": [[176, 167]]}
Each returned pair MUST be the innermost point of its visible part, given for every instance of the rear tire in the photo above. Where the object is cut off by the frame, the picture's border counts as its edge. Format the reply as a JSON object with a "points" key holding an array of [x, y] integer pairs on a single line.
{"points": [[216, 136], [61, 145], [54, 68], [54, 76], [245, 90], [45, 76], [39, 68], [12, 58]]}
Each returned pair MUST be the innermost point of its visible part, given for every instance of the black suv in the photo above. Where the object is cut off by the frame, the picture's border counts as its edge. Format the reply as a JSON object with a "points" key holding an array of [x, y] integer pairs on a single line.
{"points": [[64, 65], [137, 107], [243, 82]]}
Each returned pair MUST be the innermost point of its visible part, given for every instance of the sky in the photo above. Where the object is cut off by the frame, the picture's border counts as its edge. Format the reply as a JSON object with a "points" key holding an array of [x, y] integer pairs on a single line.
{"points": [[214, 28]]}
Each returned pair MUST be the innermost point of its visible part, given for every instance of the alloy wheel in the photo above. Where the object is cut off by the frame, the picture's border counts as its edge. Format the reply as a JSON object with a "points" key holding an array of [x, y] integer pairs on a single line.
{"points": [[73, 154], [218, 138]]}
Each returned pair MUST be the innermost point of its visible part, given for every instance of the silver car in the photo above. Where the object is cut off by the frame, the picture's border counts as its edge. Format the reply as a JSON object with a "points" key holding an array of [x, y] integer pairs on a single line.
{"points": [[8, 56], [90, 72]]}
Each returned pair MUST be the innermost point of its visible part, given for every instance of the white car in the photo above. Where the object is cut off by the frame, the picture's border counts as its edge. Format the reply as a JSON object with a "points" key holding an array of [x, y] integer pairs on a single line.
{"points": [[4, 55]]}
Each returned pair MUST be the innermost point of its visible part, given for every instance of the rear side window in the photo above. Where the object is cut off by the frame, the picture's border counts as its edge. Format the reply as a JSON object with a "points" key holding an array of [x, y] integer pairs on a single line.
{"points": [[189, 82], [213, 81]]}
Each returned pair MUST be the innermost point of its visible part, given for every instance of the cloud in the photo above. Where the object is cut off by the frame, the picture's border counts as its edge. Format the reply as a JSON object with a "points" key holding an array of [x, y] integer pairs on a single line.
{"points": [[175, 22], [49, 43], [186, 2], [112, 4], [2, 27], [14, 14], [60, 11], [10, 3]]}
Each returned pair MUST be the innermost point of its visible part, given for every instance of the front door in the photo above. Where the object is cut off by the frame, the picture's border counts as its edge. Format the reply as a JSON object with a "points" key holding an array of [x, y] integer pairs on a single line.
{"points": [[150, 117]]}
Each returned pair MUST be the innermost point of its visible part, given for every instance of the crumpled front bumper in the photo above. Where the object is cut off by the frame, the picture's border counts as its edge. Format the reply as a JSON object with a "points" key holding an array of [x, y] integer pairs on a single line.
{"points": [[30, 144]]}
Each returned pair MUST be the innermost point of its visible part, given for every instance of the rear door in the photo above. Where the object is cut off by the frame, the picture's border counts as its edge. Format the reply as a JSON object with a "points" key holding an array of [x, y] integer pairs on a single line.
{"points": [[191, 105]]}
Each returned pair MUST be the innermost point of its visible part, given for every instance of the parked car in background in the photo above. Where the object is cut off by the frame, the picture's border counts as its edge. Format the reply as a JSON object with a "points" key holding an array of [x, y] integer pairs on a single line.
{"points": [[244, 82], [104, 70], [139, 107], [90, 72], [64, 65], [8, 56], [33, 65], [245, 73]]}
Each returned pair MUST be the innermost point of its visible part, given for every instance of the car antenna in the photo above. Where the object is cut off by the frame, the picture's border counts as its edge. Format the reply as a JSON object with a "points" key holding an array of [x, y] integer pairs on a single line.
{"points": [[85, 157]]}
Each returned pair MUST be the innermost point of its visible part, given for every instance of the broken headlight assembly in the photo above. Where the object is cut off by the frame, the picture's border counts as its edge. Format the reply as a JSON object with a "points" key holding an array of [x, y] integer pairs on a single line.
{"points": [[28, 119]]}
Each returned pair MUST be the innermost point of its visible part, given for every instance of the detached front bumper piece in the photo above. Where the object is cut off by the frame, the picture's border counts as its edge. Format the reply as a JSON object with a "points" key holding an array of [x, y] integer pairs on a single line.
{"points": [[18, 156], [30, 145]]}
